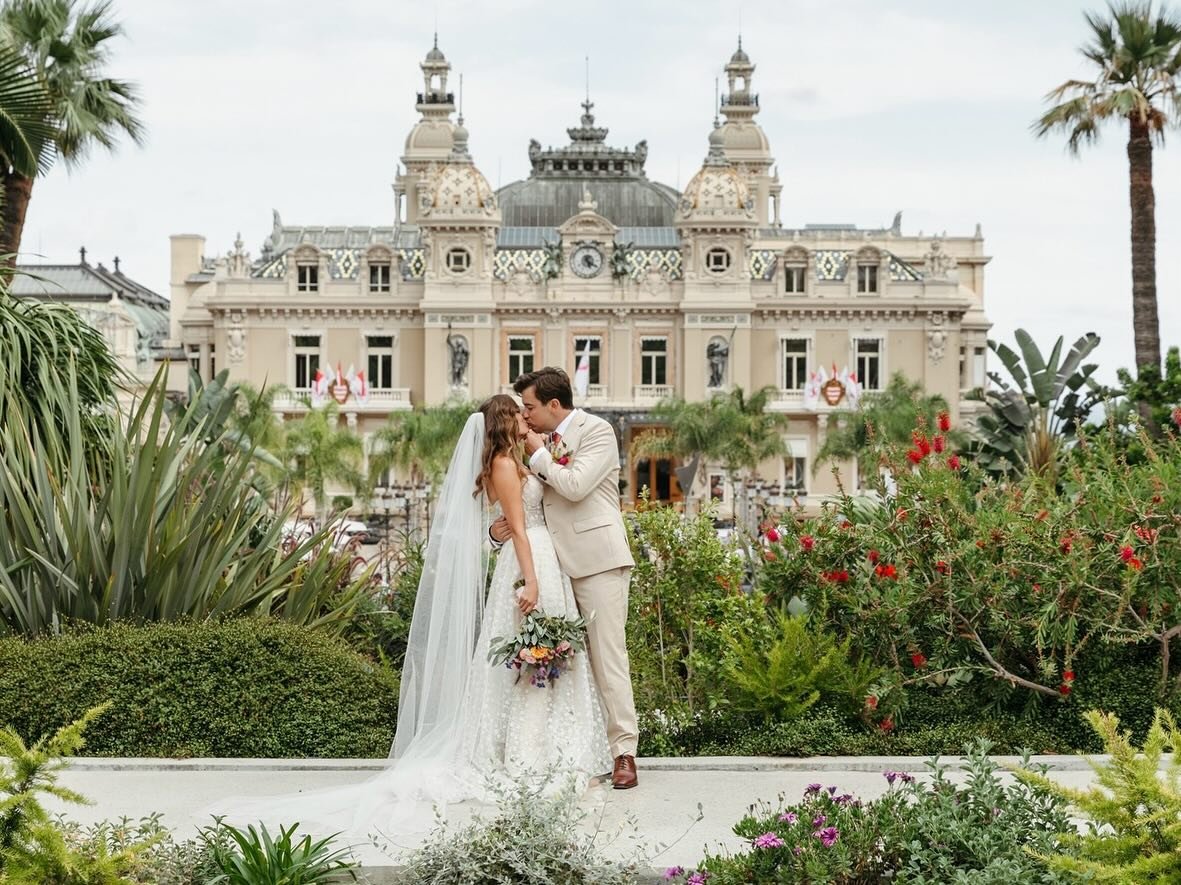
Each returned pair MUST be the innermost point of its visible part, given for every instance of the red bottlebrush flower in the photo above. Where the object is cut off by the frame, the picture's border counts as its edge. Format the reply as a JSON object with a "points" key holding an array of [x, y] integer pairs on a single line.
{"points": [[1042, 514], [1066, 545], [1147, 535], [1127, 554], [914, 456], [772, 535], [1064, 689], [871, 702], [902, 514], [873, 556], [886, 571], [807, 542], [1135, 564], [919, 660], [943, 568], [1177, 416], [769, 555], [922, 444], [938, 444], [1068, 676], [944, 421], [1037, 588], [954, 462], [887, 724], [837, 576]]}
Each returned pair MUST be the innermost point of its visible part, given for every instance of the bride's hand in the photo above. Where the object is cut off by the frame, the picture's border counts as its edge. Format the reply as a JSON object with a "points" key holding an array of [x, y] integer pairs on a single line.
{"points": [[527, 597]]}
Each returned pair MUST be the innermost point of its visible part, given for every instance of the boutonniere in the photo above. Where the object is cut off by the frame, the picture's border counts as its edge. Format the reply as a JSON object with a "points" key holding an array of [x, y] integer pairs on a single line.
{"points": [[562, 453]]}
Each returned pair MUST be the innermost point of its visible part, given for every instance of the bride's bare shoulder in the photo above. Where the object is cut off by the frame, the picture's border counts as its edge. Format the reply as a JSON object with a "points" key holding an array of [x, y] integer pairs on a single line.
{"points": [[506, 477]]}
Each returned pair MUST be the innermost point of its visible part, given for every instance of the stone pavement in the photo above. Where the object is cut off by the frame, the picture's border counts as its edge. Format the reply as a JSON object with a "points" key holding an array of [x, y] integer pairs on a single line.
{"points": [[664, 805]]}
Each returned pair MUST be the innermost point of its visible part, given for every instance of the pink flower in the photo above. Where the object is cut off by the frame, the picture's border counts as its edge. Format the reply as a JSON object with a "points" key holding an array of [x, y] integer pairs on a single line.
{"points": [[789, 817], [768, 840], [828, 836], [674, 873], [564, 460], [563, 647], [524, 655]]}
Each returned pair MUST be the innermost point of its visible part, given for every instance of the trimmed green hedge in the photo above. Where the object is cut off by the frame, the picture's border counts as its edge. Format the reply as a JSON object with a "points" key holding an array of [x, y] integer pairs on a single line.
{"points": [[243, 687]]}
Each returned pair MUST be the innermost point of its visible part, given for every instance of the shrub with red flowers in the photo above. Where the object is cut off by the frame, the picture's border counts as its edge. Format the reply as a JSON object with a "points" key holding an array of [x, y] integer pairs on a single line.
{"points": [[1006, 579]]}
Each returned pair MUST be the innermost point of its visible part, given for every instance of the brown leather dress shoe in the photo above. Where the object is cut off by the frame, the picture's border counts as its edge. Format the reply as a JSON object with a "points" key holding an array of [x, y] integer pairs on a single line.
{"points": [[624, 776]]}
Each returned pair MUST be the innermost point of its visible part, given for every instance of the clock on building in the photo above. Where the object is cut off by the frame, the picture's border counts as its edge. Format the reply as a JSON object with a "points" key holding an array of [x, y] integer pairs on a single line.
{"points": [[586, 261]]}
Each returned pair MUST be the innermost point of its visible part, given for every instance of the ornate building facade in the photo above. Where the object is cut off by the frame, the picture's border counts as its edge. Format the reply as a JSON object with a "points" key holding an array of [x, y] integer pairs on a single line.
{"points": [[668, 293]]}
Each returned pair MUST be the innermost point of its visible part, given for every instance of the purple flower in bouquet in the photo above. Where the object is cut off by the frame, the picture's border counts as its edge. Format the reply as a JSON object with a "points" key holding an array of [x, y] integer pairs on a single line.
{"points": [[789, 818], [828, 836], [818, 820], [674, 872], [768, 840]]}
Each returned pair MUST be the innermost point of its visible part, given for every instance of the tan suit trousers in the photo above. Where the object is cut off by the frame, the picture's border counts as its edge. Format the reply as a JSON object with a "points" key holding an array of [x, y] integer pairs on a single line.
{"points": [[602, 599]]}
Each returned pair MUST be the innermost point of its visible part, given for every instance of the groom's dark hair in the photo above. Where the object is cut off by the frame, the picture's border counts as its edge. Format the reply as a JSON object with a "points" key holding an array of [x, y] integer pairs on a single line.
{"points": [[549, 383]]}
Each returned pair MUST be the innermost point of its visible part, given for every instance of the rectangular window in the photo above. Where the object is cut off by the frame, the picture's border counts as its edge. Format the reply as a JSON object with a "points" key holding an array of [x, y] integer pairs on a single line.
{"points": [[654, 361], [793, 280], [194, 351], [212, 362], [596, 351], [868, 353], [380, 351], [978, 372], [867, 278], [520, 356], [795, 474], [307, 278], [795, 363], [307, 360], [379, 277]]}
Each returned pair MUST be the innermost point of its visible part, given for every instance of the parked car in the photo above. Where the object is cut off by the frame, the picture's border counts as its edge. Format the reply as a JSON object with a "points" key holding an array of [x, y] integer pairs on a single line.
{"points": [[353, 531]]}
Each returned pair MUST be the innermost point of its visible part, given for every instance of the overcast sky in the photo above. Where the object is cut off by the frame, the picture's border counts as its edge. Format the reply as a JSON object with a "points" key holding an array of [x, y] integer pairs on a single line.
{"points": [[871, 106]]}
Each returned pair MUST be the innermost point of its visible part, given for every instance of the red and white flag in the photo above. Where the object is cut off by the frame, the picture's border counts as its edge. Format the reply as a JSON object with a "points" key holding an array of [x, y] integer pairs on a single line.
{"points": [[319, 387], [358, 385], [582, 373]]}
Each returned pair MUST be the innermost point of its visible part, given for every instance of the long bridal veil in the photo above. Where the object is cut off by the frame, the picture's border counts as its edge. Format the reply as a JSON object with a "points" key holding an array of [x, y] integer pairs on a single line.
{"points": [[425, 767]]}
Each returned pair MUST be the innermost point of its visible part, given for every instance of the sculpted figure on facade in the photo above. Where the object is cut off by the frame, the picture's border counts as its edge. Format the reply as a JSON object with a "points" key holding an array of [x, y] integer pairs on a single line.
{"points": [[620, 260], [460, 356], [552, 268], [717, 354], [938, 263], [236, 338]]}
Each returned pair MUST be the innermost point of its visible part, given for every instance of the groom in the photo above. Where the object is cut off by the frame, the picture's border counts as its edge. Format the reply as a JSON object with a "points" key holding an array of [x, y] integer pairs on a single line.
{"points": [[576, 456]]}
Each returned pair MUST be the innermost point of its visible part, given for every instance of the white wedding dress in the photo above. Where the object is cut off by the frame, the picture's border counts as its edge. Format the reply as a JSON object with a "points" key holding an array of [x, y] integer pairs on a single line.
{"points": [[460, 743], [556, 733]]}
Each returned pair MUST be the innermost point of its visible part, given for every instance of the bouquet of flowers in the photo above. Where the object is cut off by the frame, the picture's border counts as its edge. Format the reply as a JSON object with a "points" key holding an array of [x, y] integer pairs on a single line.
{"points": [[542, 648]]}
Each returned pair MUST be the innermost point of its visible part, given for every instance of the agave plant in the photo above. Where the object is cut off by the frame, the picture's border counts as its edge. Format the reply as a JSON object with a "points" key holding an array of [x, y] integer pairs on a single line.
{"points": [[1034, 416], [256, 857], [162, 524]]}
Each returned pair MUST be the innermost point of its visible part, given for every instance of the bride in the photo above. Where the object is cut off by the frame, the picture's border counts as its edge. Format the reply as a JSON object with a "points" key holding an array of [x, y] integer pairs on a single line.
{"points": [[466, 725]]}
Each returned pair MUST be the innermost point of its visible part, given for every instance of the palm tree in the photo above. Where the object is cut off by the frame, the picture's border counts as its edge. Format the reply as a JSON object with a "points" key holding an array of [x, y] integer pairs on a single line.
{"points": [[1136, 60], [320, 451], [67, 46], [888, 416], [26, 118]]}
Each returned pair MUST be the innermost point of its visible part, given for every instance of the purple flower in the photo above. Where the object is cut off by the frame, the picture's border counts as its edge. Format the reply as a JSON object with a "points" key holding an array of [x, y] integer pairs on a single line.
{"points": [[797, 851], [843, 799], [789, 818], [890, 777], [812, 789], [697, 879], [828, 836], [818, 820], [674, 872], [768, 840], [832, 791]]}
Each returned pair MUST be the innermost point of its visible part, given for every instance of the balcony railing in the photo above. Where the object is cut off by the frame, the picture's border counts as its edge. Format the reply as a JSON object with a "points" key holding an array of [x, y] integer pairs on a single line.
{"points": [[652, 392], [379, 400]]}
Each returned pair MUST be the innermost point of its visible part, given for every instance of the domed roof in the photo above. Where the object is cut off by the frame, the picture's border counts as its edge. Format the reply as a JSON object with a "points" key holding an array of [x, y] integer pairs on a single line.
{"points": [[459, 188], [717, 192], [744, 136], [625, 202], [740, 57], [436, 54], [430, 140]]}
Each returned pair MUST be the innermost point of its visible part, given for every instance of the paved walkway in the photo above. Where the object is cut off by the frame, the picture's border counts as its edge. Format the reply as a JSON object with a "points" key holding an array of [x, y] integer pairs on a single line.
{"points": [[664, 806]]}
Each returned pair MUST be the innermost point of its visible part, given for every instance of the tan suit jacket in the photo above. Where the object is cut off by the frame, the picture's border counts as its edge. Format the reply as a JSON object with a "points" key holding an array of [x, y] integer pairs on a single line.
{"points": [[582, 500]]}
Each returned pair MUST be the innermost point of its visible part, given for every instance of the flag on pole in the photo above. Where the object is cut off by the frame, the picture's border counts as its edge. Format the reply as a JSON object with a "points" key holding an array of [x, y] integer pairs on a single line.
{"points": [[357, 385], [582, 373], [319, 387]]}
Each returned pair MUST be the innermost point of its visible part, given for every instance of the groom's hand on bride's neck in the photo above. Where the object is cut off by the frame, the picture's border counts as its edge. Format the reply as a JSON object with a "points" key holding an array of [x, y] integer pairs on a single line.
{"points": [[534, 441]]}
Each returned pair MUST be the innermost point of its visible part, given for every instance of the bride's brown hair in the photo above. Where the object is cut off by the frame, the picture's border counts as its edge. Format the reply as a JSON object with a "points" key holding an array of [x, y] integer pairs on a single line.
{"points": [[500, 436]]}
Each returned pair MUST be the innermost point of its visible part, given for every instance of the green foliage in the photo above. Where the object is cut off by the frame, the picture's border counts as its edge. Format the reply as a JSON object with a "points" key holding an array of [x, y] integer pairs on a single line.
{"points": [[686, 605], [230, 414], [420, 441], [258, 858], [531, 836], [887, 416], [380, 627], [26, 125], [33, 849], [154, 856], [165, 526], [979, 833], [320, 451], [801, 662], [1160, 392], [1039, 408], [244, 687], [1134, 827]]}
